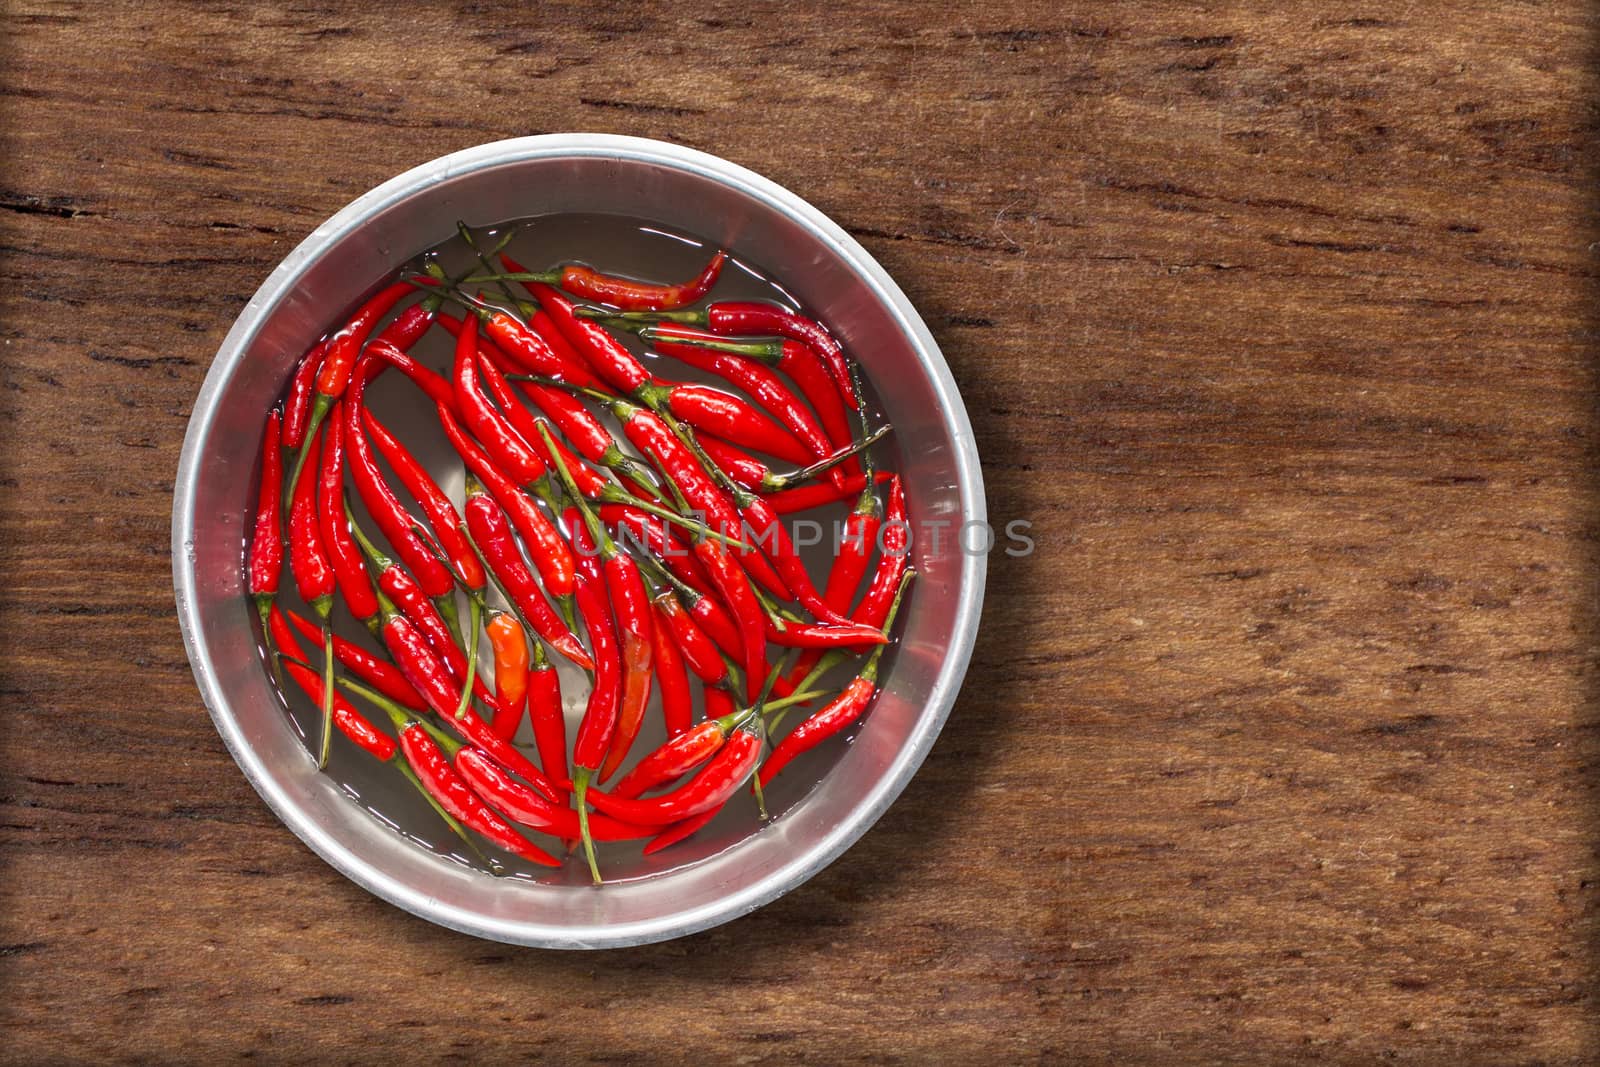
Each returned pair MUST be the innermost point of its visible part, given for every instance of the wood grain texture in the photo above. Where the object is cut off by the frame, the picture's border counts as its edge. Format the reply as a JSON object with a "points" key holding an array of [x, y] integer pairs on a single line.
{"points": [[1279, 325]]}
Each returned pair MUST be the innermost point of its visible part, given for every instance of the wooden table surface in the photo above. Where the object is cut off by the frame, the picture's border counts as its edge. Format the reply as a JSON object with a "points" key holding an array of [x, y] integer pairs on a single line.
{"points": [[1279, 327]]}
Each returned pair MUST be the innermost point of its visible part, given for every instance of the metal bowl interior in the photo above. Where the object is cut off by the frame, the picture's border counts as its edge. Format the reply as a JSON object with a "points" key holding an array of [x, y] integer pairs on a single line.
{"points": [[682, 189]]}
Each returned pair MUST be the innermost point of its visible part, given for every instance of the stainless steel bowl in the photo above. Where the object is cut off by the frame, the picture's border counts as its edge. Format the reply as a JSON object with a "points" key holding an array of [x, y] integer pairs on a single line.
{"points": [[681, 189]]}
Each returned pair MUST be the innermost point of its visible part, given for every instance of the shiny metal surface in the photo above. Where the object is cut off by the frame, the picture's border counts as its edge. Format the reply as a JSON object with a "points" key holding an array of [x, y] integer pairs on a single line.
{"points": [[683, 189]]}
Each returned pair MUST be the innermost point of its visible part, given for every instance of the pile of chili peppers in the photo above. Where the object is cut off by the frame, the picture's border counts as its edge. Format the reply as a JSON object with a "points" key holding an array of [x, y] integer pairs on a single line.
{"points": [[611, 517]]}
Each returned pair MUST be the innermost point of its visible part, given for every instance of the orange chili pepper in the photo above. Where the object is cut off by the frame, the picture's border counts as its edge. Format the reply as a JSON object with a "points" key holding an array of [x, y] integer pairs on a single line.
{"points": [[510, 646]]}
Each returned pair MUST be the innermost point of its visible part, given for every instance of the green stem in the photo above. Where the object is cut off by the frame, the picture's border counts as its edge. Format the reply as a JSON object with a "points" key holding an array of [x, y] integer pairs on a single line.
{"points": [[796, 697], [597, 530], [474, 619], [546, 278], [446, 603], [773, 483], [690, 317], [375, 558], [765, 351], [320, 405], [870, 671], [615, 494], [327, 696], [580, 789], [761, 798]]}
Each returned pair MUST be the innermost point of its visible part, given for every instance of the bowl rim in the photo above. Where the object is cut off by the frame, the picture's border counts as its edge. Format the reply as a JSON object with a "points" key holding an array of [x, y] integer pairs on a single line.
{"points": [[281, 282]]}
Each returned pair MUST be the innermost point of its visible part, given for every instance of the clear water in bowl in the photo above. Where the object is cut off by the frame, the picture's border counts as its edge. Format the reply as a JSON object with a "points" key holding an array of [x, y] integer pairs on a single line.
{"points": [[615, 244]]}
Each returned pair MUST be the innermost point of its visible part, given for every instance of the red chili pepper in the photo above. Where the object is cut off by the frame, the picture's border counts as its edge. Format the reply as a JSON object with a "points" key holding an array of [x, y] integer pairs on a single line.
{"points": [[382, 675], [297, 404], [339, 359], [627, 293], [526, 349], [734, 587], [695, 646], [422, 613], [266, 544], [652, 436], [308, 556], [605, 697], [630, 607], [398, 585], [803, 366], [713, 619], [587, 433], [678, 756], [654, 536], [602, 352], [386, 510], [510, 646], [541, 324], [678, 832], [591, 483], [739, 465], [879, 600], [447, 786], [430, 382], [490, 530], [427, 674], [726, 772], [531, 347], [314, 578], [350, 721], [348, 567], [744, 318], [345, 345], [410, 325], [765, 387], [521, 804], [820, 635], [840, 712], [677, 703], [719, 412], [545, 544], [547, 713], [762, 524], [706, 615], [441, 513], [849, 564], [510, 452], [855, 549]]}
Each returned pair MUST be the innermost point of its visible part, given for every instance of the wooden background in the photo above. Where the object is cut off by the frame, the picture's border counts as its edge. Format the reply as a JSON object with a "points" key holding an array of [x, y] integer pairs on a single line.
{"points": [[1279, 326]]}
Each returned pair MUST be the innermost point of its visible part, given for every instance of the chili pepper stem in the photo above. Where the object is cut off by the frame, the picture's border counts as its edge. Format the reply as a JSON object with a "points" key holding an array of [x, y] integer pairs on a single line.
{"points": [[784, 703], [320, 406], [761, 798], [567, 606], [552, 277], [474, 619], [776, 482], [580, 789], [446, 603], [635, 474], [327, 696], [764, 351]]}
